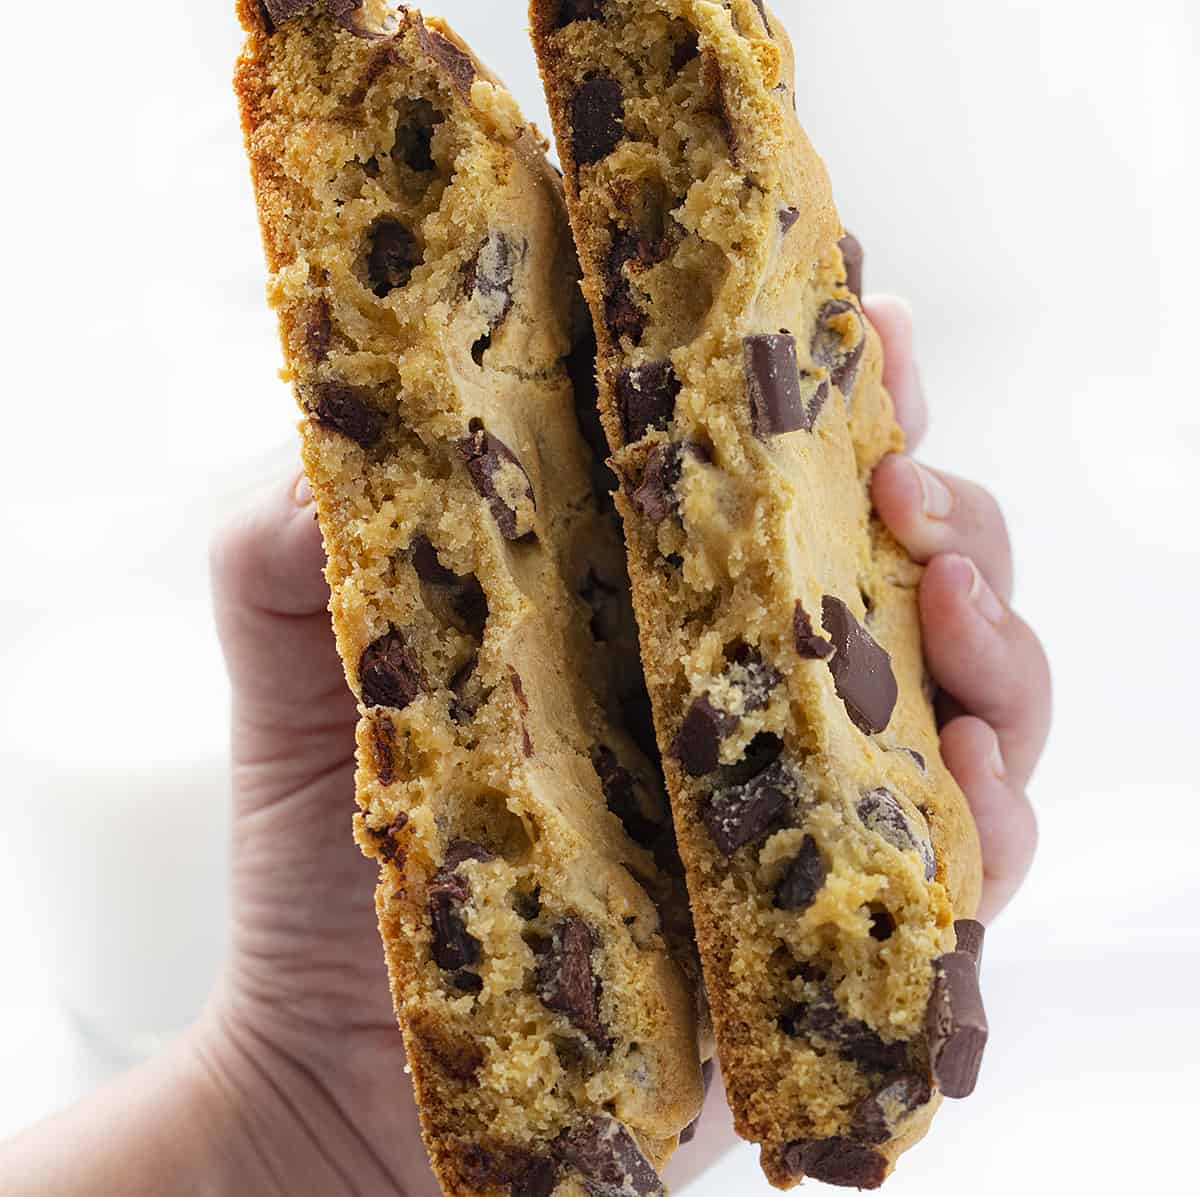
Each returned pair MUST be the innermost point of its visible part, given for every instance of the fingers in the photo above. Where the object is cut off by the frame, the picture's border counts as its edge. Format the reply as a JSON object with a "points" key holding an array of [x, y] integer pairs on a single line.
{"points": [[271, 600], [893, 320], [1007, 825], [931, 513], [988, 659]]}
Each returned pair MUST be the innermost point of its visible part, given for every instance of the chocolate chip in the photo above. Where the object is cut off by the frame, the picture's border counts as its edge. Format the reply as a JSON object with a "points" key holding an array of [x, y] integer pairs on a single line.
{"points": [[821, 1019], [881, 812], [525, 1173], [970, 939], [803, 880], [570, 11], [467, 982], [623, 315], [538, 1179], [489, 279], [756, 678], [862, 670], [597, 119], [956, 1024], [712, 80], [620, 795], [565, 982], [788, 218], [453, 1054], [318, 329], [852, 255], [493, 468], [836, 1162], [646, 398], [453, 946], [348, 410], [809, 645], [743, 812], [776, 387], [453, 599], [608, 1159], [444, 53], [387, 847], [707, 1070], [284, 10], [383, 749], [829, 348], [392, 255], [389, 672], [654, 499], [414, 135], [686, 50], [877, 1117], [697, 744]]}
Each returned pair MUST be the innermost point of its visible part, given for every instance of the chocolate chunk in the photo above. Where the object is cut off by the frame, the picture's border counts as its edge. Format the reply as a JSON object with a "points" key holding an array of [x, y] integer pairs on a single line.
{"points": [[852, 255], [467, 982], [956, 1025], [712, 80], [565, 982], [970, 939], [414, 135], [454, 947], [877, 1117], [686, 50], [597, 119], [821, 1019], [620, 795], [491, 465], [646, 398], [707, 1070], [756, 679], [829, 348], [836, 1162], [389, 673], [623, 314], [488, 276], [880, 810], [808, 644], [774, 382], [392, 255], [654, 500], [388, 848], [787, 219], [455, 62], [743, 813], [697, 745], [347, 410], [280, 11], [608, 1159], [570, 11], [803, 880], [525, 1173], [383, 748], [917, 758], [862, 670], [318, 329]]}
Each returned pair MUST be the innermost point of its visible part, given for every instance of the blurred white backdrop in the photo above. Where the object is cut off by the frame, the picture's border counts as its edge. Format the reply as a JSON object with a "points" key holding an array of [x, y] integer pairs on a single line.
{"points": [[1024, 172]]}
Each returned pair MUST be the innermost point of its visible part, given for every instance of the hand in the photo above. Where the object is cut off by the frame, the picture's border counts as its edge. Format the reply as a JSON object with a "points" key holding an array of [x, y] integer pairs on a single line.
{"points": [[984, 657]]}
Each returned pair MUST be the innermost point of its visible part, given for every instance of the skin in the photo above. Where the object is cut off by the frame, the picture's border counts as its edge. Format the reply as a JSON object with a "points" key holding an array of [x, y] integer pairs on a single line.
{"points": [[292, 1081]]}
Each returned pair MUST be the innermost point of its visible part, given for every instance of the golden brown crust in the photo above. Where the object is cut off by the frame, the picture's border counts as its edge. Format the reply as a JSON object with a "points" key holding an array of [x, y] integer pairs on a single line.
{"points": [[703, 216]]}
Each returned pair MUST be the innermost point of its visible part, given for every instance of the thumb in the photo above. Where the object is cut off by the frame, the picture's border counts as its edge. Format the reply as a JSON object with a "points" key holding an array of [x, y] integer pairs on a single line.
{"points": [[271, 604]]}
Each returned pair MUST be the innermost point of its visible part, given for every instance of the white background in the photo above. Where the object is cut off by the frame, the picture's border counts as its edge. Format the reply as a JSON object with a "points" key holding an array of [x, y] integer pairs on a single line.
{"points": [[1025, 172]]}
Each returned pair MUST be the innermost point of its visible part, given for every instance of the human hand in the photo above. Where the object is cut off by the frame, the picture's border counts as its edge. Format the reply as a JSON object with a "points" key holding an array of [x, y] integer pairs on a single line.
{"points": [[988, 663]]}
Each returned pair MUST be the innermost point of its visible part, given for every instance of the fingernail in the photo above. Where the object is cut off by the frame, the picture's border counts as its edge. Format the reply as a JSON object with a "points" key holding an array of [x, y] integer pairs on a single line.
{"points": [[981, 595], [936, 499], [996, 759], [303, 493]]}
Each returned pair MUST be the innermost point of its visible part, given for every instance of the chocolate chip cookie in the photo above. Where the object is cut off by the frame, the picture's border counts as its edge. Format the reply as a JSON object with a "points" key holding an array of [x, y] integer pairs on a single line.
{"points": [[530, 897], [828, 851]]}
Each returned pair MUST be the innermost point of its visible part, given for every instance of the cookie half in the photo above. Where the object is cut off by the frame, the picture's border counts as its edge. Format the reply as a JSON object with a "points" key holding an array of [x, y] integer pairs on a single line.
{"points": [[828, 851], [529, 899]]}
